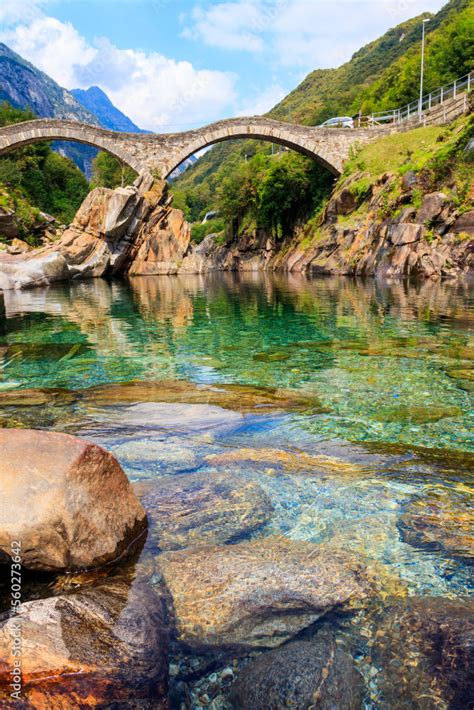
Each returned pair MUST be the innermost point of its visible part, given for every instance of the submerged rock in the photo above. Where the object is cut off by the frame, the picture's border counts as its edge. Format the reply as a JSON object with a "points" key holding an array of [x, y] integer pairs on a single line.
{"points": [[67, 500], [417, 415], [296, 462], [202, 508], [257, 593], [197, 418], [241, 398], [441, 520], [318, 673], [103, 646], [154, 455], [424, 651], [36, 397]]}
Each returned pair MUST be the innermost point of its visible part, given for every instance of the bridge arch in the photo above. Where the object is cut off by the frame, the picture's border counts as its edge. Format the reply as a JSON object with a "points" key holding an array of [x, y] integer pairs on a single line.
{"points": [[17, 135], [258, 128]]}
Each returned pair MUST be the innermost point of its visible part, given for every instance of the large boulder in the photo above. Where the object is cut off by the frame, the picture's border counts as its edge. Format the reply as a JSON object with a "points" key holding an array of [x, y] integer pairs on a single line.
{"points": [[318, 673], [202, 507], [66, 500], [464, 224], [8, 224], [257, 593], [102, 646], [432, 207]]}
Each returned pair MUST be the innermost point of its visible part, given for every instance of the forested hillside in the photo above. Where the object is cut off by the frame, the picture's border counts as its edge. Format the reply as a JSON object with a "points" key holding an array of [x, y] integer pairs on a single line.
{"points": [[384, 74], [35, 178]]}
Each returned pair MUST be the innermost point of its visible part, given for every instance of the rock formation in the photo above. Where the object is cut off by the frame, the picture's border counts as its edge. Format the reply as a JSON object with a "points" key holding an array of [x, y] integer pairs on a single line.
{"points": [[205, 507], [67, 501], [257, 593], [101, 646], [135, 230], [317, 673]]}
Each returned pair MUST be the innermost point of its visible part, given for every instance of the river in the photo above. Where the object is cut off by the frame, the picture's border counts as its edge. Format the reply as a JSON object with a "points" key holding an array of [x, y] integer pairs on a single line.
{"points": [[351, 402]]}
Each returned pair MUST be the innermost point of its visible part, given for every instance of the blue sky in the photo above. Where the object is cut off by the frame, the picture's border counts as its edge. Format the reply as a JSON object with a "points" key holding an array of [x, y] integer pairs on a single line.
{"points": [[171, 65]]}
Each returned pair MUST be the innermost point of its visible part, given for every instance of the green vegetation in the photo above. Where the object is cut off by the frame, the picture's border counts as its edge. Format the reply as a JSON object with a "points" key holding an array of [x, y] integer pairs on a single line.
{"points": [[382, 75], [35, 175], [272, 192], [435, 155], [212, 226], [385, 73], [109, 171], [398, 151]]}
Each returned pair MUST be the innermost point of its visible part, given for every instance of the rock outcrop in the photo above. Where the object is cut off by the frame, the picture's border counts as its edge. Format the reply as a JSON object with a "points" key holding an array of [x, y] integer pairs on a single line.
{"points": [[67, 501], [257, 593], [101, 646], [135, 230], [114, 231]]}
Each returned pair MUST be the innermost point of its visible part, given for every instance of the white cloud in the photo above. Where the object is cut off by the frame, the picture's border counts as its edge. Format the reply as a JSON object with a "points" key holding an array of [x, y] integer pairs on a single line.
{"points": [[299, 33], [232, 25], [263, 102], [156, 92], [13, 11], [53, 46]]}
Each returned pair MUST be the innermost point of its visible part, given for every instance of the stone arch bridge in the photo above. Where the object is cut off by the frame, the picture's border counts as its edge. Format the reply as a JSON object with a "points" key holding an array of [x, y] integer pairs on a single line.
{"points": [[160, 154]]}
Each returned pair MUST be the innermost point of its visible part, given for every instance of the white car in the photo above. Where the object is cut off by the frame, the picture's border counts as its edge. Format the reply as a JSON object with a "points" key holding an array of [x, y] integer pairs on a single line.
{"points": [[339, 122]]}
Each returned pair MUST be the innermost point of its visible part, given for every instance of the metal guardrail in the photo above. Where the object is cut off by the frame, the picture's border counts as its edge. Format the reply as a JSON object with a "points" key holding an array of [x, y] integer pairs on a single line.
{"points": [[416, 108]]}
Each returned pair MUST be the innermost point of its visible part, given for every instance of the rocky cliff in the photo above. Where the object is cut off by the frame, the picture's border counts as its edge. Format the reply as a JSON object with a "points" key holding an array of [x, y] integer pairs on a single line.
{"points": [[128, 230], [436, 240]]}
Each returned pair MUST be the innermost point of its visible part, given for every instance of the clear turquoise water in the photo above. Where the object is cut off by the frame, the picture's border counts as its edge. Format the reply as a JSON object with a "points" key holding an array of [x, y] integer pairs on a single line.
{"points": [[388, 363], [390, 367]]}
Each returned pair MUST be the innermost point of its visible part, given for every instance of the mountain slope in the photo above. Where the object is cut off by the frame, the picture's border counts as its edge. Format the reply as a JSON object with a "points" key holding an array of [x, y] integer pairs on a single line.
{"points": [[342, 91], [26, 87], [97, 102]]}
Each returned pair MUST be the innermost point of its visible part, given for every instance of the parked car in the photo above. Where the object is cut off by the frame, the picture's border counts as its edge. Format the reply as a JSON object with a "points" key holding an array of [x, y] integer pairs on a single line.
{"points": [[339, 122]]}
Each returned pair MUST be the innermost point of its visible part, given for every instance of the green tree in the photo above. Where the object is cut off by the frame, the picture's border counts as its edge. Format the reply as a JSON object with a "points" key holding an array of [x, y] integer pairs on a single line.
{"points": [[109, 171], [36, 178]]}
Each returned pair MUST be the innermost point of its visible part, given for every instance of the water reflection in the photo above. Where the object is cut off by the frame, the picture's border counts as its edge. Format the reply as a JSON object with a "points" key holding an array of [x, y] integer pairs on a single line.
{"points": [[389, 362]]}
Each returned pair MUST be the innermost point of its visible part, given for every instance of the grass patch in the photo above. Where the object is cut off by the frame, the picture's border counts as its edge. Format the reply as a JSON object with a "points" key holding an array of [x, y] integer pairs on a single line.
{"points": [[399, 151]]}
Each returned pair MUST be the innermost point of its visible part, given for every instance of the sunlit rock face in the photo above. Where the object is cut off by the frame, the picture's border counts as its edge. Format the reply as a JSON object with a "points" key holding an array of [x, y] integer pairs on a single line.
{"points": [[163, 241], [107, 230], [258, 593], [101, 646], [67, 501]]}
